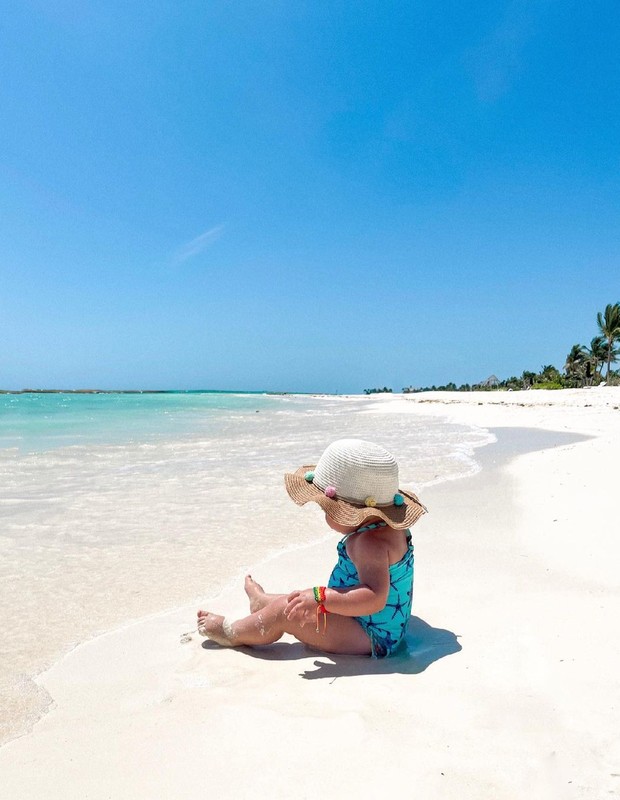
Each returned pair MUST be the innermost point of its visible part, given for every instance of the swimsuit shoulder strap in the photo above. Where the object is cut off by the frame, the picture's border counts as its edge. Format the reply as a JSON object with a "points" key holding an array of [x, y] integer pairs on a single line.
{"points": [[371, 527]]}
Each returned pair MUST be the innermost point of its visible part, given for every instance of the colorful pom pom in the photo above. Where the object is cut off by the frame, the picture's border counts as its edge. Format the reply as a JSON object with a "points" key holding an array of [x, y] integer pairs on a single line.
{"points": [[398, 500], [309, 476], [370, 502], [330, 491]]}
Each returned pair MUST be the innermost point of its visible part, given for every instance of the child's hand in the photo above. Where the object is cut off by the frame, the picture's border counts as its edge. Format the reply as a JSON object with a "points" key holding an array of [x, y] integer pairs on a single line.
{"points": [[301, 606]]}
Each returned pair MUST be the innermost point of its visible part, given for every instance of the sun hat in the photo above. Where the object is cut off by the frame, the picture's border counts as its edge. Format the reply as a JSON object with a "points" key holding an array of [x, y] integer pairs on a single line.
{"points": [[354, 481]]}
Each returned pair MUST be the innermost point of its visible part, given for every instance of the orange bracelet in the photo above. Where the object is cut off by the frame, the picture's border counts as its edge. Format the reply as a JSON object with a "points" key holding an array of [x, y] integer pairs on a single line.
{"points": [[320, 609]]}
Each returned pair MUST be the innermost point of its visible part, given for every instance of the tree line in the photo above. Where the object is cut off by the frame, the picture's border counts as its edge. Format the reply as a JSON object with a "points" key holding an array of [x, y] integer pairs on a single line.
{"points": [[584, 365]]}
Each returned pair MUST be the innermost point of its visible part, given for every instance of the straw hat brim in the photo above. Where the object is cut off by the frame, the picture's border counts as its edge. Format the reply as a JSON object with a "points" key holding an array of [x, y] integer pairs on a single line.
{"points": [[302, 491]]}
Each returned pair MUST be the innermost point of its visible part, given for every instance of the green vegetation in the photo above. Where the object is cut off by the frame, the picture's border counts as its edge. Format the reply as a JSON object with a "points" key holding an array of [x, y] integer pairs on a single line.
{"points": [[377, 391], [609, 326], [583, 367]]}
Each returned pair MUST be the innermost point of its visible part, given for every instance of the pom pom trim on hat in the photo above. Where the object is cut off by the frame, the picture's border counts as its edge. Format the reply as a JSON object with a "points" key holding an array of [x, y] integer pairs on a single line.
{"points": [[302, 489]]}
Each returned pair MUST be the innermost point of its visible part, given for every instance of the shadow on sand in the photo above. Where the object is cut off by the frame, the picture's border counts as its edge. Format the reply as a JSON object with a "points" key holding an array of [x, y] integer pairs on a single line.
{"points": [[424, 645]]}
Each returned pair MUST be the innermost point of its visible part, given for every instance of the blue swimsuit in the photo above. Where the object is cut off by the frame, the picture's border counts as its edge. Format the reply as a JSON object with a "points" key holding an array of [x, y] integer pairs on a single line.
{"points": [[386, 629]]}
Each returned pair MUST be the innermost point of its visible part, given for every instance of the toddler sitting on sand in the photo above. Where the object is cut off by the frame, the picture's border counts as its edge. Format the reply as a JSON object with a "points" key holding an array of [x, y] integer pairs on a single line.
{"points": [[365, 606]]}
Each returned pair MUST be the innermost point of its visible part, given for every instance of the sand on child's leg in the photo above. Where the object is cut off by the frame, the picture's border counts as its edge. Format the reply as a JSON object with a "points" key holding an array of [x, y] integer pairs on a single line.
{"points": [[342, 635], [216, 628]]}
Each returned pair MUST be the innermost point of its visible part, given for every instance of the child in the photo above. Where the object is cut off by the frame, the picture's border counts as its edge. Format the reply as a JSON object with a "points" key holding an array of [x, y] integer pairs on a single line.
{"points": [[366, 605]]}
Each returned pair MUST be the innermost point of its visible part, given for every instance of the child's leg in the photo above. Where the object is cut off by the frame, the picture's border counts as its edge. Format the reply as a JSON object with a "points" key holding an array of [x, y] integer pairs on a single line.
{"points": [[342, 635], [258, 597]]}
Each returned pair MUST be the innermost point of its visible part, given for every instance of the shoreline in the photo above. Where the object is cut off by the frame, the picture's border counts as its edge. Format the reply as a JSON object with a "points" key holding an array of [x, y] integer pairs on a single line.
{"points": [[183, 686], [422, 396], [102, 566]]}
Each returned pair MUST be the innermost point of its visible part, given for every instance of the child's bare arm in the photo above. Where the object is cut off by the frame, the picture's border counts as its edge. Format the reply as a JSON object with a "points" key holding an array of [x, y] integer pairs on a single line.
{"points": [[371, 559]]}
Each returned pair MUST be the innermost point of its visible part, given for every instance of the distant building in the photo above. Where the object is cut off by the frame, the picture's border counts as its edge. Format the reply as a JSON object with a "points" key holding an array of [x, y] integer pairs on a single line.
{"points": [[492, 382]]}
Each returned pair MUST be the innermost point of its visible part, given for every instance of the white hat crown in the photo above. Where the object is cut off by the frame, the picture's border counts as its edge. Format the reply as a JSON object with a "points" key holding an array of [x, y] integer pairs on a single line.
{"points": [[358, 470]]}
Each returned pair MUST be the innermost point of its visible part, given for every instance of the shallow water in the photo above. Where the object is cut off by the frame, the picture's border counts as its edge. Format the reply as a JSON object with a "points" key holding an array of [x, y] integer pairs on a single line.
{"points": [[114, 509]]}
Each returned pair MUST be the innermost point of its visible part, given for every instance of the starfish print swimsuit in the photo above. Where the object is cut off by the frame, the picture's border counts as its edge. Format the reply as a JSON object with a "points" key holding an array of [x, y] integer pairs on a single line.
{"points": [[386, 629]]}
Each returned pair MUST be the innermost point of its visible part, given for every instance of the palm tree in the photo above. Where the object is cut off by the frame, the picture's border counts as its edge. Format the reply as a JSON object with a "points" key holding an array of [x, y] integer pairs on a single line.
{"points": [[609, 326], [598, 354], [575, 366]]}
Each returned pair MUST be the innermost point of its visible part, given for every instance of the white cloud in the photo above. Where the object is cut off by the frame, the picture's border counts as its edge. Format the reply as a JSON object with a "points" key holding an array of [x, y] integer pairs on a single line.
{"points": [[197, 245]]}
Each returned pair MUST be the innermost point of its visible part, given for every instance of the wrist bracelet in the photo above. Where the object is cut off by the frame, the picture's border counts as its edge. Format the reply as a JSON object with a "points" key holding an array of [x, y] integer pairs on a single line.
{"points": [[319, 593], [320, 609], [319, 596]]}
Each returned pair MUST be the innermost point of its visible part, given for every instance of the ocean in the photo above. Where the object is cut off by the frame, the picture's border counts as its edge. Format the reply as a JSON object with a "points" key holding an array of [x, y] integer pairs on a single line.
{"points": [[116, 507]]}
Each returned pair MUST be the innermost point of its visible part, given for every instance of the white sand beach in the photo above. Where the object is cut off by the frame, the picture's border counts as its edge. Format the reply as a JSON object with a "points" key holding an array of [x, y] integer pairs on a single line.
{"points": [[509, 690]]}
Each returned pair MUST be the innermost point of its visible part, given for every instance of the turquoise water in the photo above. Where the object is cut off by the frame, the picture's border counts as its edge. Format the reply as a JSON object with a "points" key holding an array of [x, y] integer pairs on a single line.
{"points": [[36, 422]]}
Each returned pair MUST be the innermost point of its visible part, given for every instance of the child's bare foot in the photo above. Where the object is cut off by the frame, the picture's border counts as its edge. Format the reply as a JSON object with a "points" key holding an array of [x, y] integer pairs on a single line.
{"points": [[256, 593], [216, 628]]}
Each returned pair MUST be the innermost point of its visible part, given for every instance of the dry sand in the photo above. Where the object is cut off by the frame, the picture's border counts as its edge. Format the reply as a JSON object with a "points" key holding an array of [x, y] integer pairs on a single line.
{"points": [[510, 688]]}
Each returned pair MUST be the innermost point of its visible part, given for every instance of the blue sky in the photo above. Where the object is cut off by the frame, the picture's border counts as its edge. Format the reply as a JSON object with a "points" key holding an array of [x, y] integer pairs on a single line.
{"points": [[304, 196]]}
